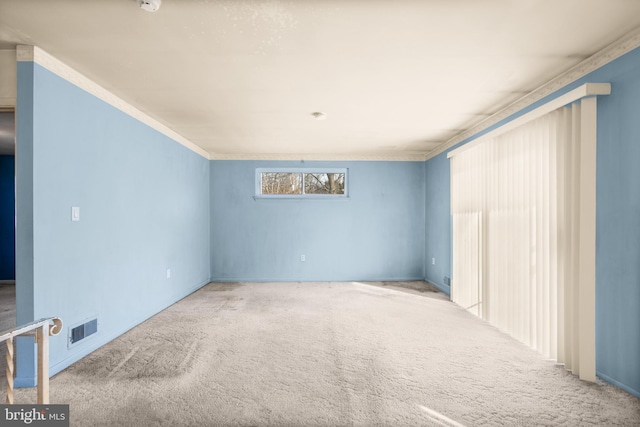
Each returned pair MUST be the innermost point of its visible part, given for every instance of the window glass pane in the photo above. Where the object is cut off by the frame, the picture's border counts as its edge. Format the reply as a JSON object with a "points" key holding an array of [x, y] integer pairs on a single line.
{"points": [[281, 183], [324, 183]]}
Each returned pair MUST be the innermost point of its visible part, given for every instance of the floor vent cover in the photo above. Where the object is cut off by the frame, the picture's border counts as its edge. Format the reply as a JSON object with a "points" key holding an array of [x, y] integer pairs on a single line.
{"points": [[80, 332]]}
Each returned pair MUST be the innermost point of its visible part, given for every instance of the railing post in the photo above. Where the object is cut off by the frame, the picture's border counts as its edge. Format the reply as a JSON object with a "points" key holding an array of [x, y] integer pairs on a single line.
{"points": [[42, 338], [43, 329], [9, 357]]}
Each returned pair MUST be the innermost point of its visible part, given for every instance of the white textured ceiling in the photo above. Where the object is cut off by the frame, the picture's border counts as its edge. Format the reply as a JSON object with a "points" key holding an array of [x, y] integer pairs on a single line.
{"points": [[394, 77]]}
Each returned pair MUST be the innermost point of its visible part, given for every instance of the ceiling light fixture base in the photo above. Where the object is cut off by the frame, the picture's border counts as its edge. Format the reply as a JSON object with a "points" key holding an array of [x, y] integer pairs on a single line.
{"points": [[149, 5]]}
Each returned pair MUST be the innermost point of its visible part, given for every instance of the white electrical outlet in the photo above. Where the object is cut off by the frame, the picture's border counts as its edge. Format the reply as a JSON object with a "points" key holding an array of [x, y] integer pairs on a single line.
{"points": [[433, 261], [303, 258], [75, 213], [168, 273]]}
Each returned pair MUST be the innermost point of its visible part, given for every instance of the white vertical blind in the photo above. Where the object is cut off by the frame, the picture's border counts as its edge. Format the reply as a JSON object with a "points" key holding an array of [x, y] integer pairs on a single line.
{"points": [[522, 218], [467, 265]]}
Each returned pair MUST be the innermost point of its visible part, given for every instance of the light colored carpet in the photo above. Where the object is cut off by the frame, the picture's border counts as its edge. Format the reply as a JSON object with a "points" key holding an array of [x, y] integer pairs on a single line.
{"points": [[325, 354]]}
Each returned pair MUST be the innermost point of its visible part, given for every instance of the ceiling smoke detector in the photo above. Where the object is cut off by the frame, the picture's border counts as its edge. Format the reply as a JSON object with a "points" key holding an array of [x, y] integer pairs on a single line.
{"points": [[149, 5], [319, 115]]}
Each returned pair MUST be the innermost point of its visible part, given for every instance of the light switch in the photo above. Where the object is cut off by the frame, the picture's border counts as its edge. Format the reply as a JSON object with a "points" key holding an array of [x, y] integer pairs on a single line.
{"points": [[75, 213]]}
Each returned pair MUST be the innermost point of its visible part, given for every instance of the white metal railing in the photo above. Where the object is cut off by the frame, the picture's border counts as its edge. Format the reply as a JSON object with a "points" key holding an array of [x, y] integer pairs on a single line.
{"points": [[41, 329]]}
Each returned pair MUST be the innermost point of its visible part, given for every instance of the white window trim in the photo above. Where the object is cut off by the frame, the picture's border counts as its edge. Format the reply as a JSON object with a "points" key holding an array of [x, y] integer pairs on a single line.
{"points": [[260, 171]]}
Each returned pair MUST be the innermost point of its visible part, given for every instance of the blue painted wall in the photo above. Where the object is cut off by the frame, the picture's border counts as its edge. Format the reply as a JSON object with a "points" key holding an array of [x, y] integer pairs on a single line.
{"points": [[7, 218], [144, 208], [376, 234], [437, 232], [617, 221]]}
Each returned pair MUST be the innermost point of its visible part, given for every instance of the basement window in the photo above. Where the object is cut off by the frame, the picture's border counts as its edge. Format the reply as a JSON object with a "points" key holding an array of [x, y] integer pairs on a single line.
{"points": [[301, 183]]}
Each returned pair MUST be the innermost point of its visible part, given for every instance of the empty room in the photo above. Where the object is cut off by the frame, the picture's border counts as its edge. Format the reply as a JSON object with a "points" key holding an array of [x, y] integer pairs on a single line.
{"points": [[320, 212]]}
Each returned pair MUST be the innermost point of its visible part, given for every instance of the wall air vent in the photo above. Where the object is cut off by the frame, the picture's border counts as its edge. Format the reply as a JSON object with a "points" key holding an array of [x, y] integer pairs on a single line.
{"points": [[82, 331]]}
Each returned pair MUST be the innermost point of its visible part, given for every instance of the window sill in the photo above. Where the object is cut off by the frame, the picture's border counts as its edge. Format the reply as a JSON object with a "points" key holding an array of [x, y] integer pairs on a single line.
{"points": [[303, 197]]}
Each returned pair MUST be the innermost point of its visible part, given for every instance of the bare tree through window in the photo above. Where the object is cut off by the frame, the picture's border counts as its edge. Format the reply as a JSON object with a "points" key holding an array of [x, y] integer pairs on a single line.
{"points": [[324, 183], [281, 183], [296, 182]]}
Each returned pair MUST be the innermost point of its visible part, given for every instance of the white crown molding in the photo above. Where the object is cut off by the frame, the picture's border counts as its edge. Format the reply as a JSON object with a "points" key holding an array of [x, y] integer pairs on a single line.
{"points": [[25, 53], [39, 56], [323, 157], [623, 45]]}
